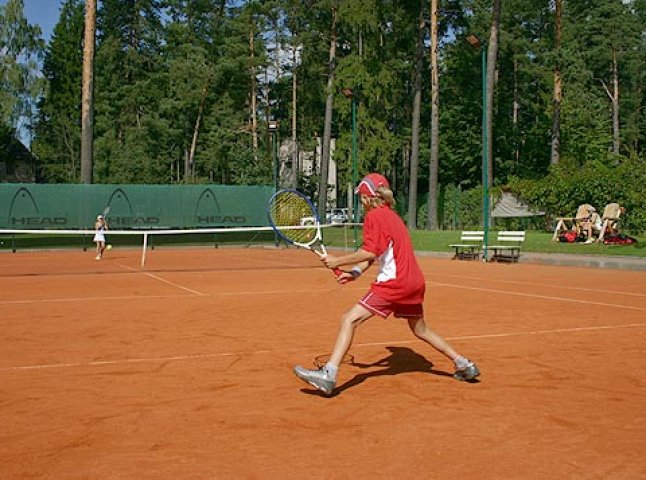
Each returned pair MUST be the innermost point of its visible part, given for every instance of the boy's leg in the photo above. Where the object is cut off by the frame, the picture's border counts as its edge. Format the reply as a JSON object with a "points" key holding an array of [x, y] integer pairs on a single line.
{"points": [[349, 322], [324, 379], [465, 368], [423, 332]]}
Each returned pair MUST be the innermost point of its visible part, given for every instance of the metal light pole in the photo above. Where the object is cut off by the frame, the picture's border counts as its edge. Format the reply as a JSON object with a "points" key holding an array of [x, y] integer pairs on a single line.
{"points": [[475, 42], [349, 93], [273, 129]]}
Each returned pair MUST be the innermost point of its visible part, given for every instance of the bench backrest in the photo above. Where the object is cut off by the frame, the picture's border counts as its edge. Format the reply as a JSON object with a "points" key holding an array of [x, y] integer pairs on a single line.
{"points": [[511, 236], [472, 236]]}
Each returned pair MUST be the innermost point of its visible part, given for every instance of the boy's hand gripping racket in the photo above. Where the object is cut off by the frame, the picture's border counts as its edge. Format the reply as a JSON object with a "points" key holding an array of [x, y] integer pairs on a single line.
{"points": [[294, 219]]}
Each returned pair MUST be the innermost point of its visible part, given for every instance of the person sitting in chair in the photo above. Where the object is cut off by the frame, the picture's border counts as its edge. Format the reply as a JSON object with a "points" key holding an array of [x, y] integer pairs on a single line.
{"points": [[613, 224], [591, 225]]}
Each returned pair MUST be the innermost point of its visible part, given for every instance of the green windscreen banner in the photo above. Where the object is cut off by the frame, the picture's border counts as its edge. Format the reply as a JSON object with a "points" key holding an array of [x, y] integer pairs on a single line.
{"points": [[74, 206]]}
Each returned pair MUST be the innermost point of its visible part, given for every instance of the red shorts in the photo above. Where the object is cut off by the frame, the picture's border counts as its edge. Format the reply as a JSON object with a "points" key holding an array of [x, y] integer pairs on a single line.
{"points": [[382, 307]]}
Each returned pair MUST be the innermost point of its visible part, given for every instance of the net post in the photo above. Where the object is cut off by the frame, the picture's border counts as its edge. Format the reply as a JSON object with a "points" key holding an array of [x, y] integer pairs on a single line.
{"points": [[145, 247]]}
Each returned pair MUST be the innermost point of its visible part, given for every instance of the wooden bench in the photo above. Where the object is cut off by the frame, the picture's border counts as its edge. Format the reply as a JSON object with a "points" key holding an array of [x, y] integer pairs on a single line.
{"points": [[471, 250], [508, 248]]}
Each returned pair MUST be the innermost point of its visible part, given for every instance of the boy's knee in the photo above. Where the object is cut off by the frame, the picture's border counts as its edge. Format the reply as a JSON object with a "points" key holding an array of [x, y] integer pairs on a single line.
{"points": [[350, 320], [417, 326]]}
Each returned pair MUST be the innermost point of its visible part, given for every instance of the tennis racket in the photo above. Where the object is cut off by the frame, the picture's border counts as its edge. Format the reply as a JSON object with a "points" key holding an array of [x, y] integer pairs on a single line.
{"points": [[106, 210], [294, 219]]}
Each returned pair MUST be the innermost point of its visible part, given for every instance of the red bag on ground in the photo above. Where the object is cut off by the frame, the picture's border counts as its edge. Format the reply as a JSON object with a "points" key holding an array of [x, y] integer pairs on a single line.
{"points": [[568, 237], [619, 239]]}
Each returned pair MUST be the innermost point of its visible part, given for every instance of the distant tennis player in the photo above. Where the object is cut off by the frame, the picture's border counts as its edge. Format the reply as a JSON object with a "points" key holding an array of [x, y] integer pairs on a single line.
{"points": [[398, 289], [100, 226]]}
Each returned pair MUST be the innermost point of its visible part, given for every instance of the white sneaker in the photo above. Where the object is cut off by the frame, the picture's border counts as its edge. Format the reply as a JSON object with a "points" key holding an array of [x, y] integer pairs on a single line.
{"points": [[589, 241], [469, 372], [319, 379], [98, 257]]}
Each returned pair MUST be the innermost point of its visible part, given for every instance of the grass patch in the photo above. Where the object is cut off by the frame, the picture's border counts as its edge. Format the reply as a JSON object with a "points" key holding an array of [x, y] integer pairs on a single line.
{"points": [[540, 242]]}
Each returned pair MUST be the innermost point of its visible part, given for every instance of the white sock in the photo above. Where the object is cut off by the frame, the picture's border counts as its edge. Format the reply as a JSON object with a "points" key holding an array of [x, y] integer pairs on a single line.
{"points": [[332, 370], [461, 362]]}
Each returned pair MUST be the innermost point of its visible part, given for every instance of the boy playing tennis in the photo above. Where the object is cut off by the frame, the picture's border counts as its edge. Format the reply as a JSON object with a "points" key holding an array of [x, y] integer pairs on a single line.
{"points": [[398, 289]]}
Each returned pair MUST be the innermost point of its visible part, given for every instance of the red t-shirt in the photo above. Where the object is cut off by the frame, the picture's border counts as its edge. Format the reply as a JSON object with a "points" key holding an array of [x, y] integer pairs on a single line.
{"points": [[399, 280]]}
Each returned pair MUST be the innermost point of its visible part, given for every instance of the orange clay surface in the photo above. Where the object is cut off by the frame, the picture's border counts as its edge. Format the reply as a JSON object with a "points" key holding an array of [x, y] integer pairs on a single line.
{"points": [[183, 370]]}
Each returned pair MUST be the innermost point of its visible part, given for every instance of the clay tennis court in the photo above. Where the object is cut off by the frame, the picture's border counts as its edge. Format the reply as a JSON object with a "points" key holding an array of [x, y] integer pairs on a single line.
{"points": [[183, 371]]}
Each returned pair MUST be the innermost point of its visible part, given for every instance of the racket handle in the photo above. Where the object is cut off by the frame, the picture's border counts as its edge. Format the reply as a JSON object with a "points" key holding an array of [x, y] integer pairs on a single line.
{"points": [[338, 272]]}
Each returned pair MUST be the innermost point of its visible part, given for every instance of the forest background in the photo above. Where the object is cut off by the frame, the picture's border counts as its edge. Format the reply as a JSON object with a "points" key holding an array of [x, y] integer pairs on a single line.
{"points": [[184, 91]]}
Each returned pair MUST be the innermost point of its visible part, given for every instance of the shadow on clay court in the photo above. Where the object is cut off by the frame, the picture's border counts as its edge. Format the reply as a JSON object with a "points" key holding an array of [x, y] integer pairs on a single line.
{"points": [[400, 360]]}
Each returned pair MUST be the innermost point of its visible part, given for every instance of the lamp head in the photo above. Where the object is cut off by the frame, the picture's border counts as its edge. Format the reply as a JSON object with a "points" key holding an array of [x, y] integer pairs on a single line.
{"points": [[474, 41]]}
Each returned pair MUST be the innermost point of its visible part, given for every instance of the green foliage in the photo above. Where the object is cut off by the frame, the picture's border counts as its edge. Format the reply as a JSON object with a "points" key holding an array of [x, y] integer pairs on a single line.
{"points": [[57, 134], [459, 210], [21, 48], [175, 78], [568, 185]]}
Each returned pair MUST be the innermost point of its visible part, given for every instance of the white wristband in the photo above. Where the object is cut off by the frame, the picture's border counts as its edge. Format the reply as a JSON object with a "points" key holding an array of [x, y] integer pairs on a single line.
{"points": [[356, 272]]}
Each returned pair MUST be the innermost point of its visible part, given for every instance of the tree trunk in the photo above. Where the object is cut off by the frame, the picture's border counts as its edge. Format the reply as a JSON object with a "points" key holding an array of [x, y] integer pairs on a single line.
{"points": [[515, 116], [417, 102], [87, 101], [555, 156], [615, 103], [196, 130], [254, 107], [492, 56], [295, 166], [614, 100], [187, 165], [431, 222], [327, 129]]}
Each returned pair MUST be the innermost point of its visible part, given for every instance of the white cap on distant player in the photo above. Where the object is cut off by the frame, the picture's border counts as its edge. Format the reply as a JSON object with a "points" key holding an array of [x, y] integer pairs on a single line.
{"points": [[99, 217]]}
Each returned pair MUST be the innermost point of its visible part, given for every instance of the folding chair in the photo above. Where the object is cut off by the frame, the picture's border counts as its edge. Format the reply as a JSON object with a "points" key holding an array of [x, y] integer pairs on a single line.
{"points": [[572, 223], [610, 219]]}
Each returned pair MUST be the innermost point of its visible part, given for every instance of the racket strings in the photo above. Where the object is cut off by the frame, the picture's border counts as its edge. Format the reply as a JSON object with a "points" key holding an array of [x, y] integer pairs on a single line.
{"points": [[293, 216]]}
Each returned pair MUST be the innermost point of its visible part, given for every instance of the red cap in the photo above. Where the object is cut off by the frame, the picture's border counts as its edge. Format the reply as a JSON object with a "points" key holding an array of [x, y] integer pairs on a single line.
{"points": [[370, 183]]}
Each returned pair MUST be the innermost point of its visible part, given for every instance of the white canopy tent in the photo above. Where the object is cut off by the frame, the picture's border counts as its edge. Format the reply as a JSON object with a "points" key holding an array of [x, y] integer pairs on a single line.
{"points": [[509, 206]]}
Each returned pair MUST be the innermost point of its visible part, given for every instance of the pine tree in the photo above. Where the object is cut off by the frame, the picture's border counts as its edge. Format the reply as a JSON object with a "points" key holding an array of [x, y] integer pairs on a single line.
{"points": [[57, 139]]}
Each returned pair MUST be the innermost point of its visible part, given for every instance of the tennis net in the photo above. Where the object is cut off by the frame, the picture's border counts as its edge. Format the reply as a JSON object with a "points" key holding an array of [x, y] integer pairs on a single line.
{"points": [[43, 252]]}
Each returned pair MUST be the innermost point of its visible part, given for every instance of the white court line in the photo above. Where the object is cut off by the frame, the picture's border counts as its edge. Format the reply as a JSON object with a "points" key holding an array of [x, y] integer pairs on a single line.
{"points": [[194, 292], [519, 334], [93, 299], [126, 361], [534, 295], [318, 290], [276, 263], [531, 284]]}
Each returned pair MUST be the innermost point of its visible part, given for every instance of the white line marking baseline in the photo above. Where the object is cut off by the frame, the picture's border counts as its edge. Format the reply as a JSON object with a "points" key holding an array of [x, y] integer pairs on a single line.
{"points": [[333, 288], [532, 284], [534, 295], [126, 361], [92, 299]]}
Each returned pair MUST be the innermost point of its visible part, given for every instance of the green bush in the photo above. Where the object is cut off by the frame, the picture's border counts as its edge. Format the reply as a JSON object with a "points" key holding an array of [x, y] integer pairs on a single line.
{"points": [[621, 180]]}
